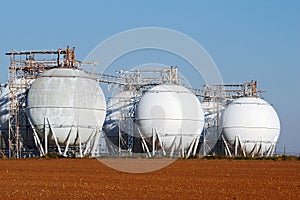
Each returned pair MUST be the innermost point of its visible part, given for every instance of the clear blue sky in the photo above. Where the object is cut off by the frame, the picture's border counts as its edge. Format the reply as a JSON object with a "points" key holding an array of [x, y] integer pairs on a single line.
{"points": [[248, 40]]}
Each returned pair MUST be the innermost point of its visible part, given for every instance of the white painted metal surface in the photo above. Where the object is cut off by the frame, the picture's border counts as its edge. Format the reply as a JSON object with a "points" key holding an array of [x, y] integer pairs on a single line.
{"points": [[118, 121], [70, 100], [173, 113], [253, 122], [5, 101], [4, 107], [118, 106]]}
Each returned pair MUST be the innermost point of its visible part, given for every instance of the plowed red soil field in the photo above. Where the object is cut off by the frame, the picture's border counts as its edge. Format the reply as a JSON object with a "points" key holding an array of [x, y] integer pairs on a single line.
{"points": [[183, 179]]}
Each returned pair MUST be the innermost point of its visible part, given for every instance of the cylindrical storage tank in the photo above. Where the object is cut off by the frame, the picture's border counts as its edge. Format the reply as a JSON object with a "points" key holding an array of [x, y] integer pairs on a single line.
{"points": [[253, 122], [66, 99], [173, 112]]}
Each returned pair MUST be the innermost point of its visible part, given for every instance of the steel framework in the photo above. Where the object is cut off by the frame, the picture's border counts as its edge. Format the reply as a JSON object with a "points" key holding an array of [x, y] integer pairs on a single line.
{"points": [[24, 67]]}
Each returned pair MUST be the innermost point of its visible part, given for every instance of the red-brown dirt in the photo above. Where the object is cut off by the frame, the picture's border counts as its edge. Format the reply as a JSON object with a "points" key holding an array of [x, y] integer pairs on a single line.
{"points": [[183, 179]]}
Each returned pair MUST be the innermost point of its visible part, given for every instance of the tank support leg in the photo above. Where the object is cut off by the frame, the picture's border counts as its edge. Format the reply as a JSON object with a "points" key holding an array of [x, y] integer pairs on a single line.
{"points": [[226, 146], [144, 143], [46, 133], [236, 146], [261, 148], [272, 147], [196, 145], [78, 140], [173, 147], [54, 136], [153, 143], [80, 144], [191, 147], [160, 143], [68, 142], [182, 146], [242, 148], [37, 139], [88, 144], [254, 148]]}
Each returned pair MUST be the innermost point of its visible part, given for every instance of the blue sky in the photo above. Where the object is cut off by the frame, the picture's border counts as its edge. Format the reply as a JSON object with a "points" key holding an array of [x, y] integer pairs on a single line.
{"points": [[248, 40]]}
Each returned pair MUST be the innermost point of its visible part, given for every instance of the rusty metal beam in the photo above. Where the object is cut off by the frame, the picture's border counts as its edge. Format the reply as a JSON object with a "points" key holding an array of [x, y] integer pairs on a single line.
{"points": [[62, 51]]}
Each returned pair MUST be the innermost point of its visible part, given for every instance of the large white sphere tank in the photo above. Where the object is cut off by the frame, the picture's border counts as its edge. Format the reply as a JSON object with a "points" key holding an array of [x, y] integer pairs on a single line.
{"points": [[69, 98], [173, 112], [254, 121]]}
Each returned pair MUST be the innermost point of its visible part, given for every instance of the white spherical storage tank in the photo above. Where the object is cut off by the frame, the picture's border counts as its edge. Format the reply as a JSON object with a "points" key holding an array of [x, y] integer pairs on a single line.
{"points": [[66, 98], [173, 112], [252, 121]]}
